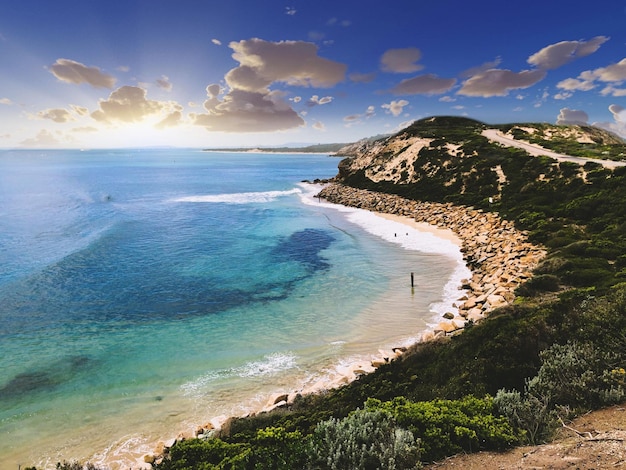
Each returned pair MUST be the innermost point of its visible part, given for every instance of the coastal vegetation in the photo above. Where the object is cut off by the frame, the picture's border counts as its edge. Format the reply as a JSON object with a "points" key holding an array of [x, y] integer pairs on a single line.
{"points": [[557, 351]]}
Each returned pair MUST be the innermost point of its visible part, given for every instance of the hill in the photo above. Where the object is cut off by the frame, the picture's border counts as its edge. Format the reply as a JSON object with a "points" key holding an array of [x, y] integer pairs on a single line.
{"points": [[316, 148]]}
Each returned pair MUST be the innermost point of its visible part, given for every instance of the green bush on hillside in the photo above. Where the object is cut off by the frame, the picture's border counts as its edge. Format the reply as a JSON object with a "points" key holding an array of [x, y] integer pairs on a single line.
{"points": [[365, 440], [446, 427]]}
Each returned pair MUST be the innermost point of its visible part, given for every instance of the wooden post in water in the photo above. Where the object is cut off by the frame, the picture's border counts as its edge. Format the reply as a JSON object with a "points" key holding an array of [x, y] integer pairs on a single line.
{"points": [[412, 282]]}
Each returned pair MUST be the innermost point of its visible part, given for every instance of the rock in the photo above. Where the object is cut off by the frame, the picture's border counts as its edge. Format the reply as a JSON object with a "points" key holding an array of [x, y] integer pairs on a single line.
{"points": [[448, 316], [149, 458]]}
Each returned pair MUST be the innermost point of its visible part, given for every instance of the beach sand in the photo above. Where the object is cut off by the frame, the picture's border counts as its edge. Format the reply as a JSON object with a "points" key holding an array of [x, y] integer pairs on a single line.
{"points": [[443, 233]]}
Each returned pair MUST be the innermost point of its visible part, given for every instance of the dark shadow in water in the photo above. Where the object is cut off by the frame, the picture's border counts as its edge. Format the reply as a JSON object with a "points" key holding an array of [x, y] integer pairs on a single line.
{"points": [[45, 379]]}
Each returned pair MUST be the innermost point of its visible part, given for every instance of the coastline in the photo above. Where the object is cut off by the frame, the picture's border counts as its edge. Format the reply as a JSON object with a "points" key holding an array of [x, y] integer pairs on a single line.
{"points": [[499, 256]]}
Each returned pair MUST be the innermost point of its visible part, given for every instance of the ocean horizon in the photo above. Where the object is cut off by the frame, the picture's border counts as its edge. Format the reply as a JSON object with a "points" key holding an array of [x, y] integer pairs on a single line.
{"points": [[147, 291]]}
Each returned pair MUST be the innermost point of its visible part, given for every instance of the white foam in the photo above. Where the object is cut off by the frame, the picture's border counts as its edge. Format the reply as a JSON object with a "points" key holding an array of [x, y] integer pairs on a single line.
{"points": [[268, 366], [239, 198]]}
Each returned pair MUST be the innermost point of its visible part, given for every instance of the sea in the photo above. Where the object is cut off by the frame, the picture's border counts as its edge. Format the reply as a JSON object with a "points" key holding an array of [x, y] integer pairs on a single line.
{"points": [[146, 292]]}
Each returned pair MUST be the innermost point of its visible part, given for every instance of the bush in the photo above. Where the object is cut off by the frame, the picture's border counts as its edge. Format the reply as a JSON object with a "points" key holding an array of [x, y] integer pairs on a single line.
{"points": [[210, 454], [362, 441], [447, 427], [531, 415], [577, 375]]}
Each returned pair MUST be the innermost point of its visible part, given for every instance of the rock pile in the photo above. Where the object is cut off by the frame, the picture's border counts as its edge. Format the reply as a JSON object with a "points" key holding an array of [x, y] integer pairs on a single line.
{"points": [[499, 256]]}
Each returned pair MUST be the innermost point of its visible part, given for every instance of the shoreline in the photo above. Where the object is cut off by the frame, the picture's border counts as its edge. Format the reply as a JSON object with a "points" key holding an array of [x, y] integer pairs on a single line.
{"points": [[499, 257]]}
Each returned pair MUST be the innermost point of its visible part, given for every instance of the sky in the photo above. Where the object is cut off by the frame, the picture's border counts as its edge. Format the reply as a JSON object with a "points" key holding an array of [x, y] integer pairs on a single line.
{"points": [[245, 73]]}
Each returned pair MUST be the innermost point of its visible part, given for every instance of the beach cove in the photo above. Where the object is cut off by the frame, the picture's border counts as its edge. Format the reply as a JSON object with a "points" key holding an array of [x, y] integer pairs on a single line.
{"points": [[500, 256]]}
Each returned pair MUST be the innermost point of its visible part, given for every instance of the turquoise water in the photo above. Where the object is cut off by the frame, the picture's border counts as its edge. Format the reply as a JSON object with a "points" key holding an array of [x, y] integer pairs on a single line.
{"points": [[145, 292]]}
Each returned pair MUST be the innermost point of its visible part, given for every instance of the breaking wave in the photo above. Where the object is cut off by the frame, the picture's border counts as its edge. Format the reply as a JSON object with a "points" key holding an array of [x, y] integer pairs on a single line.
{"points": [[239, 198]]}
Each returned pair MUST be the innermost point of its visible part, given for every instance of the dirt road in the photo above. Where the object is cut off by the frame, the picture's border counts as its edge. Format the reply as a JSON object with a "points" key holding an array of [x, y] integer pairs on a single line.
{"points": [[536, 150]]}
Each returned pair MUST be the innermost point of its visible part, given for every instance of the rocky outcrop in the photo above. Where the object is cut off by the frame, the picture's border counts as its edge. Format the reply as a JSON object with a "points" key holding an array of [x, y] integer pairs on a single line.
{"points": [[499, 256]]}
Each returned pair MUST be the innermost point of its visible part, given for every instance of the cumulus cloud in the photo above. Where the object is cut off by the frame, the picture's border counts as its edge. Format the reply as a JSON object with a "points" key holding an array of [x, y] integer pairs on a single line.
{"points": [[70, 71], [423, 84], [561, 53], [129, 104], [316, 100], [79, 110], [362, 77], [401, 60], [171, 120], [164, 83], [250, 105], [44, 138], [6, 101], [618, 126], [247, 111], [56, 115], [395, 107], [358, 118], [217, 42], [319, 126], [614, 75], [572, 116], [481, 68], [499, 82], [292, 62]]}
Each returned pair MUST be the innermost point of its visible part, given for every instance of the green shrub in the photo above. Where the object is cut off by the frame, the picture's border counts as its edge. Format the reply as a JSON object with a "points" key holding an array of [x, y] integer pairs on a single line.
{"points": [[531, 415], [210, 454], [577, 375], [275, 448], [362, 441], [446, 427]]}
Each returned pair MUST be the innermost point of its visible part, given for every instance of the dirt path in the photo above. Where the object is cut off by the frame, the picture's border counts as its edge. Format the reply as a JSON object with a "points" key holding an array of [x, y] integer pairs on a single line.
{"points": [[536, 150], [596, 441]]}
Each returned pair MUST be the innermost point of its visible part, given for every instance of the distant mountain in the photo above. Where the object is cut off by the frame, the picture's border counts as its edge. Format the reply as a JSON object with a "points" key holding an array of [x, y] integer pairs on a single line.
{"points": [[316, 148]]}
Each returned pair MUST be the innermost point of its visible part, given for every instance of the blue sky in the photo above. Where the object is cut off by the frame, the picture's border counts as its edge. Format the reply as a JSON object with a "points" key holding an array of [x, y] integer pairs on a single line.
{"points": [[198, 73]]}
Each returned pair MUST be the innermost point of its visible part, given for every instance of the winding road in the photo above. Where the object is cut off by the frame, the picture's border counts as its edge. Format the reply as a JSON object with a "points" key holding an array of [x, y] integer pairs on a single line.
{"points": [[536, 150]]}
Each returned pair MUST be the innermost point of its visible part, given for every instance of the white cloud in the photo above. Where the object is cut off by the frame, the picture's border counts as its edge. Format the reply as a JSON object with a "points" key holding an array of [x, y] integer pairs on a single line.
{"points": [[610, 90], [573, 84], [123, 68], [618, 126], [572, 116], [395, 107], [56, 115], [248, 111], [447, 99], [217, 42], [44, 138], [481, 68], [171, 120], [499, 82], [556, 55], [79, 110], [70, 71], [614, 75], [164, 83], [564, 95], [358, 118], [319, 126], [6, 101], [401, 60], [290, 11], [362, 77], [250, 105], [423, 84], [129, 104], [315, 100]]}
